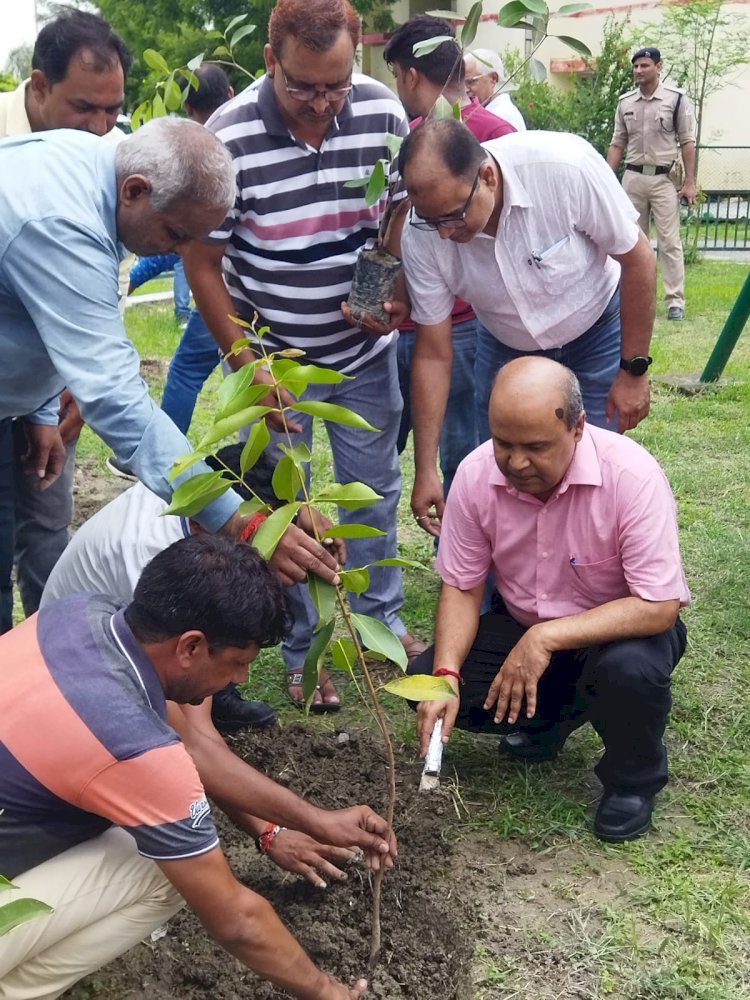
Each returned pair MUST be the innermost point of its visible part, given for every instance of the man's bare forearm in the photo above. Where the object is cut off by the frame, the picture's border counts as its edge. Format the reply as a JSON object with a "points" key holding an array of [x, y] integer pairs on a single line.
{"points": [[430, 386], [627, 618], [456, 625], [614, 155]]}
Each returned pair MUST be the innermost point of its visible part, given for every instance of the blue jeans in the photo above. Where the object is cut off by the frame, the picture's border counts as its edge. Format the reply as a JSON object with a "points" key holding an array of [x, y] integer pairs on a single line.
{"points": [[196, 357], [459, 434], [181, 292], [370, 458], [594, 357]]}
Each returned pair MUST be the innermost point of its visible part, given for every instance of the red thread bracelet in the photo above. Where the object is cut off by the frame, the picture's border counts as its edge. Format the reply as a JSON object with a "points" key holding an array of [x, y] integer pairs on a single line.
{"points": [[252, 526], [267, 837], [445, 672]]}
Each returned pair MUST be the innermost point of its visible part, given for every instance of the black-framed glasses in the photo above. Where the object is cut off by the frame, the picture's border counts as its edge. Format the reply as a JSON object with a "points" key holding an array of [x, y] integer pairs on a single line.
{"points": [[452, 222], [331, 94]]}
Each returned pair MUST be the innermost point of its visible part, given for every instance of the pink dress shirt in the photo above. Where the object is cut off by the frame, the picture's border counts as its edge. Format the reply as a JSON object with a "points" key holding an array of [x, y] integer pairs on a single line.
{"points": [[609, 531]]}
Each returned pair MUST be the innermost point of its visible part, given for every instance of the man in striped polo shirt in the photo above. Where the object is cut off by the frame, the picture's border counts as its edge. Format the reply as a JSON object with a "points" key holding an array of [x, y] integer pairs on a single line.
{"points": [[287, 251]]}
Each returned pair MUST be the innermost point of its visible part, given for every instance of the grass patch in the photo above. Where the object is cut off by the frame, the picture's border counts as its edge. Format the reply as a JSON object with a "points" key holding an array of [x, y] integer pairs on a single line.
{"points": [[669, 917]]}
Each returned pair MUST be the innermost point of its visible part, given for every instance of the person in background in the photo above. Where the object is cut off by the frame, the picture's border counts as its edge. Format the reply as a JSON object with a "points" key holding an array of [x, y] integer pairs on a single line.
{"points": [[654, 125], [485, 75], [420, 82]]}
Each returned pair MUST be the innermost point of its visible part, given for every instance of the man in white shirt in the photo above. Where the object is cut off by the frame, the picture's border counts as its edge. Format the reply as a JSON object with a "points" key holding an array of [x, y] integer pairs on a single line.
{"points": [[536, 233], [485, 75]]}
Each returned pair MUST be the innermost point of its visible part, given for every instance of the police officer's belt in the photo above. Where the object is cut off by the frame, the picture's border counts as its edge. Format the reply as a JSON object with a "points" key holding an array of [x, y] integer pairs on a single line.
{"points": [[648, 169]]}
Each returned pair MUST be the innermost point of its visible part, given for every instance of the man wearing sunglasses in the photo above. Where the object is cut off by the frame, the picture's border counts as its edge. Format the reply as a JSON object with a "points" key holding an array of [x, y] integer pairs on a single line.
{"points": [[287, 252], [535, 232]]}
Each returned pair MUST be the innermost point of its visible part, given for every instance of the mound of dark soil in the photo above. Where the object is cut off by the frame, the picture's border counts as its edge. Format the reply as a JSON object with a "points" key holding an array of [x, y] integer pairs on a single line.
{"points": [[427, 925]]}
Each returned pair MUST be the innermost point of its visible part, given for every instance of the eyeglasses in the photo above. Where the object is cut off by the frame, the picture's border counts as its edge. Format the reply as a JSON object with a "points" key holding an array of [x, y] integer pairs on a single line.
{"points": [[452, 222], [471, 80], [331, 94]]}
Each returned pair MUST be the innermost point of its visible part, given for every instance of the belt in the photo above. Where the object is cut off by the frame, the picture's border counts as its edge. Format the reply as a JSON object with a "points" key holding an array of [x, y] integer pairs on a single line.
{"points": [[648, 169]]}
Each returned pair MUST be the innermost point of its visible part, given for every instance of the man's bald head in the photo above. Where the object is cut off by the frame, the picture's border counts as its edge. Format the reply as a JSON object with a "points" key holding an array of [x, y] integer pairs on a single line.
{"points": [[443, 142], [540, 383], [536, 419]]}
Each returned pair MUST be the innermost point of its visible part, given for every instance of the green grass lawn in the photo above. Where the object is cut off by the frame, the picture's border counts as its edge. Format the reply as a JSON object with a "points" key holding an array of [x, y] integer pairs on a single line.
{"points": [[670, 917]]}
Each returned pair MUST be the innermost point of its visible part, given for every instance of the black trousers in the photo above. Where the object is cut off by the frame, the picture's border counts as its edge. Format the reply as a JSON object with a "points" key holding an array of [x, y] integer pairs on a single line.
{"points": [[622, 688]]}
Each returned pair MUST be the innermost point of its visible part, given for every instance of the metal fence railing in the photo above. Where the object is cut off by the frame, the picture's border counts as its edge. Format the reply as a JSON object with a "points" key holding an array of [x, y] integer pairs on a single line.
{"points": [[721, 218]]}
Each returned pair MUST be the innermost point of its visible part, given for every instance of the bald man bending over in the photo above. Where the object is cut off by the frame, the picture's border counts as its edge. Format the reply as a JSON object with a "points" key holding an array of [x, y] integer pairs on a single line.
{"points": [[578, 527]]}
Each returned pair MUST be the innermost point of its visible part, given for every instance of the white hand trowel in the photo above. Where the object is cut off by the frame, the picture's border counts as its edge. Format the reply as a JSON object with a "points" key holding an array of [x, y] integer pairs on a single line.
{"points": [[431, 774]]}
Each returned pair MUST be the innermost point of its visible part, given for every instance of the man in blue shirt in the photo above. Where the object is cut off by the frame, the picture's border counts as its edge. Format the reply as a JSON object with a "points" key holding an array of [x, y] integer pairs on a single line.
{"points": [[69, 207]]}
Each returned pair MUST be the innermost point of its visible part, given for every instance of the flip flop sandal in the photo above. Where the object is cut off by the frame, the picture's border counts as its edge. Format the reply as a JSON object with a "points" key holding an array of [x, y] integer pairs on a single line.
{"points": [[294, 679]]}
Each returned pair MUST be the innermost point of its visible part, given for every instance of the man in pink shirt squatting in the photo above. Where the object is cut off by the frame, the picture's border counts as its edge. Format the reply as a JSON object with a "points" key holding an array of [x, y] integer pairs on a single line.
{"points": [[578, 527]]}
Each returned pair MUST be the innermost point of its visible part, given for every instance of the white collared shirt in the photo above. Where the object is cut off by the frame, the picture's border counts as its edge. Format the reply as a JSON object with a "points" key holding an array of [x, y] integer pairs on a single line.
{"points": [[547, 276]]}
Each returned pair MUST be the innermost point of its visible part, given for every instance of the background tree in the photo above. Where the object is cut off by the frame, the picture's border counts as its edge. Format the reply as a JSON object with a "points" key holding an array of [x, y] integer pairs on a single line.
{"points": [[702, 47], [179, 30], [7, 82], [18, 63], [587, 108]]}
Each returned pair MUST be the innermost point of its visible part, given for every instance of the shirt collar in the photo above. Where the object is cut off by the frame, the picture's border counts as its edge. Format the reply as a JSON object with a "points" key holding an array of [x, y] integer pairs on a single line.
{"points": [[515, 194], [658, 95], [145, 674], [584, 470], [17, 122], [274, 122]]}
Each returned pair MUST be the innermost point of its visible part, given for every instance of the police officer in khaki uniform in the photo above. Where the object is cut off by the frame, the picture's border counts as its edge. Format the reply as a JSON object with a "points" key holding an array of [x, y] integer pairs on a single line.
{"points": [[654, 123]]}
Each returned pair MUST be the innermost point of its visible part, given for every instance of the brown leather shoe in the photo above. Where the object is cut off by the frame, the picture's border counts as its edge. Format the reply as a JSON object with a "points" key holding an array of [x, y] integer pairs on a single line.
{"points": [[413, 646]]}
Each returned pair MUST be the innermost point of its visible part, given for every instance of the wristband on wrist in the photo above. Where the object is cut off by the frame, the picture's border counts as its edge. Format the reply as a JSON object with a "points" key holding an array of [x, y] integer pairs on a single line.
{"points": [[446, 672], [267, 837], [252, 526]]}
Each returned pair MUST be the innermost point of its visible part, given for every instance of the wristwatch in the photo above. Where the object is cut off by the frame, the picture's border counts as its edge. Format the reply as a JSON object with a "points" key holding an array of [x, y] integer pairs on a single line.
{"points": [[635, 366]]}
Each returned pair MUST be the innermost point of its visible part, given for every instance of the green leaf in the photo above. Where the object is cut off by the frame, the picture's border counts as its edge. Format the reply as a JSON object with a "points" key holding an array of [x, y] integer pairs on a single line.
{"points": [[574, 43], [156, 61], [420, 687], [323, 597], [331, 411], [173, 95], [377, 636], [352, 531], [299, 454], [394, 143], [195, 62], [268, 535], [570, 8], [141, 115], [538, 7], [256, 444], [357, 182], [350, 496], [344, 654], [428, 45], [515, 11], [314, 662], [254, 506], [229, 425], [184, 462], [377, 184], [297, 375], [469, 30], [237, 37], [19, 912], [158, 107], [222, 50], [443, 108], [247, 395], [357, 580], [234, 22], [287, 480], [397, 561], [192, 496], [5, 884]]}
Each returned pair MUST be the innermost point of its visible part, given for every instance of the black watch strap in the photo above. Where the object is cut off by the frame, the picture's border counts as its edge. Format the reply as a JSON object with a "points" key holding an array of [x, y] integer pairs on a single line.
{"points": [[637, 365]]}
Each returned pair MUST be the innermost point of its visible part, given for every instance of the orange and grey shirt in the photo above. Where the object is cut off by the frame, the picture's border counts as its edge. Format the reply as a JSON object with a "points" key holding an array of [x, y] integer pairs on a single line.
{"points": [[84, 742], [652, 128]]}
